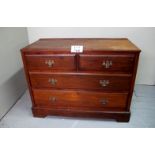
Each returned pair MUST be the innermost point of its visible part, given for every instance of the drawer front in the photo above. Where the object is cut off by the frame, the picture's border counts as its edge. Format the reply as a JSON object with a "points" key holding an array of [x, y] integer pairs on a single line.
{"points": [[107, 63], [80, 99], [76, 81], [51, 62], [48, 98]]}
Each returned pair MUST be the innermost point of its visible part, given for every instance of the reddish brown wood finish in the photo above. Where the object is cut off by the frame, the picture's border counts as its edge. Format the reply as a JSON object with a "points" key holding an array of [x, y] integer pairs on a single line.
{"points": [[90, 100], [120, 63], [83, 81], [77, 89], [59, 45], [60, 62], [27, 78], [119, 116]]}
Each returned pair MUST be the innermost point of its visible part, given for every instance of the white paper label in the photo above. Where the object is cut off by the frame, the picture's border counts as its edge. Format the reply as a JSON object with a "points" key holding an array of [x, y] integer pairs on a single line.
{"points": [[76, 49]]}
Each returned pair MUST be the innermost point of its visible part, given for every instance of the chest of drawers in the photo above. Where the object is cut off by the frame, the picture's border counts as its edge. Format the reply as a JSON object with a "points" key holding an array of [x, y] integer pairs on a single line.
{"points": [[97, 82]]}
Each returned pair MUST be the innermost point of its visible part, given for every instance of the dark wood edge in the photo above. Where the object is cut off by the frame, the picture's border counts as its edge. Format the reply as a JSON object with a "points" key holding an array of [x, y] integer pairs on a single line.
{"points": [[51, 55], [108, 55], [99, 52], [118, 116], [27, 78], [74, 73], [133, 81], [78, 61]]}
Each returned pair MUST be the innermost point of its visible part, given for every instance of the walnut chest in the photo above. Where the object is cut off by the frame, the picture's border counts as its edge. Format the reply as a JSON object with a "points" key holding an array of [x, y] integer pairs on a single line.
{"points": [[81, 77]]}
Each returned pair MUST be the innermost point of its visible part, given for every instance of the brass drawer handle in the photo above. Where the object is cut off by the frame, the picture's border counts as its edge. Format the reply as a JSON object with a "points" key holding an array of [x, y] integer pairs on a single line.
{"points": [[104, 101], [52, 99], [52, 81], [50, 63], [107, 63], [104, 83]]}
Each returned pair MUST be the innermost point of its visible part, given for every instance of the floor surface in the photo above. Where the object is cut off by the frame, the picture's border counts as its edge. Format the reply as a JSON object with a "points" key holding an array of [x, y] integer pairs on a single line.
{"points": [[142, 114]]}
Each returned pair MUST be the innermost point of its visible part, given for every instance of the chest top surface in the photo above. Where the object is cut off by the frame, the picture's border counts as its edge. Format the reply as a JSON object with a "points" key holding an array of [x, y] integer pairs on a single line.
{"points": [[63, 45]]}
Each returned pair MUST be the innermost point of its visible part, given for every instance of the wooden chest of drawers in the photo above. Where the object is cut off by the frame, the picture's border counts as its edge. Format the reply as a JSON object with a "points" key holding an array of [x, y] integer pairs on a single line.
{"points": [[97, 82]]}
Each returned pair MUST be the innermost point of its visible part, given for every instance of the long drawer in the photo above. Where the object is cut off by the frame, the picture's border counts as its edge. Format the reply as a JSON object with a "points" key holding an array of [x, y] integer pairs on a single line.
{"points": [[51, 62], [81, 81], [107, 63], [79, 99]]}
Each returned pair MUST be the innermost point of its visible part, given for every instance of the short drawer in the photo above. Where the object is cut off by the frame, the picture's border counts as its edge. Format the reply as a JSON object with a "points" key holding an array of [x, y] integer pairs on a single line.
{"points": [[107, 63], [80, 99], [51, 62], [81, 81]]}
